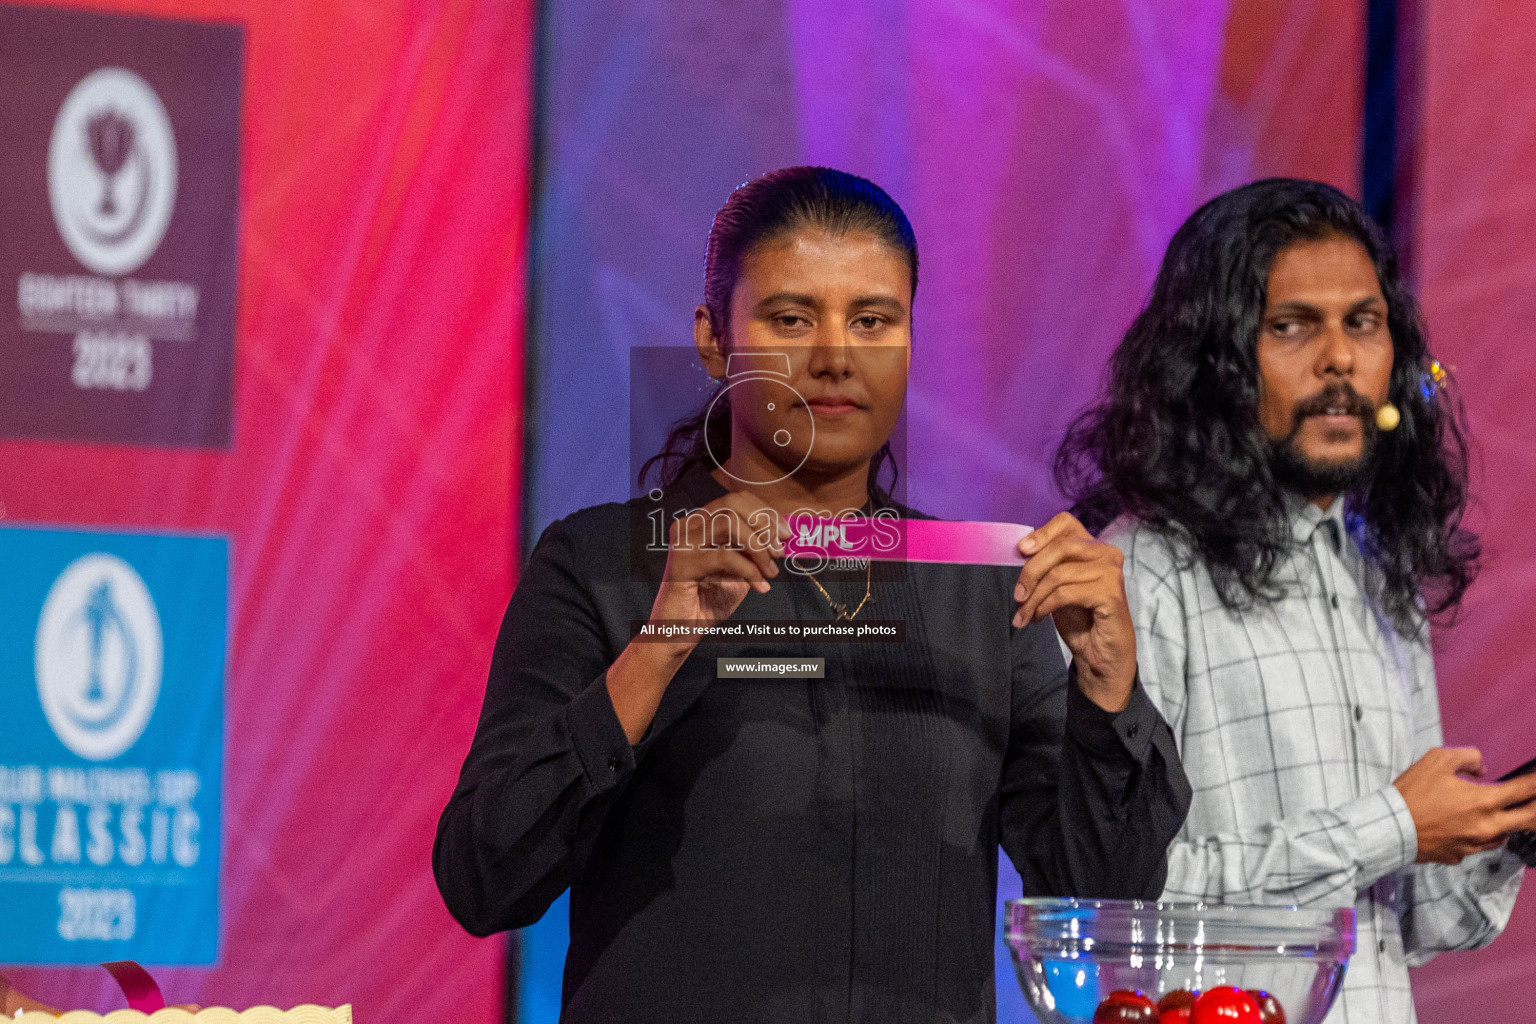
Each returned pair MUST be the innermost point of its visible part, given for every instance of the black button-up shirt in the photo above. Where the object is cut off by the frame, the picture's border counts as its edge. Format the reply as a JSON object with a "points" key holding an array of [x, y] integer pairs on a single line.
{"points": [[790, 849]]}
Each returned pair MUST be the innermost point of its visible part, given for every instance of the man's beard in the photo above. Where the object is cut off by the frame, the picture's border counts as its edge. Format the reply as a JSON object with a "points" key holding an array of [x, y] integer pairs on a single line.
{"points": [[1311, 478]]}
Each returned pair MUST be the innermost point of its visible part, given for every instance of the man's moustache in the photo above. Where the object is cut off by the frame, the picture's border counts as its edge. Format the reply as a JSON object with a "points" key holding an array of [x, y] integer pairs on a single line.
{"points": [[1348, 399]]}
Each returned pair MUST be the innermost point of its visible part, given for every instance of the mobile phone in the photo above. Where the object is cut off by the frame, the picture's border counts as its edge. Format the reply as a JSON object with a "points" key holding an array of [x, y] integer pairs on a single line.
{"points": [[1525, 769]]}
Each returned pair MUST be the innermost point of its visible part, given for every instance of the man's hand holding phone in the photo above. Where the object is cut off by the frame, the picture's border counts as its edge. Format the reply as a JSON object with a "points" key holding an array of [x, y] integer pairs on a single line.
{"points": [[1455, 814], [1523, 843]]}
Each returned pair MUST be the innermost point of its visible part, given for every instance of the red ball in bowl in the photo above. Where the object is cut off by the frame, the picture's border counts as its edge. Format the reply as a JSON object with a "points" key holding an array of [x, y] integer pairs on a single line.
{"points": [[1123, 1006], [1175, 1006], [1226, 1005], [1270, 1011]]}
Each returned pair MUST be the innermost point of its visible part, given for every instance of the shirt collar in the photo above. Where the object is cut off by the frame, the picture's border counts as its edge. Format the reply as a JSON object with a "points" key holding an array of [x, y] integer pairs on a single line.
{"points": [[1307, 519]]}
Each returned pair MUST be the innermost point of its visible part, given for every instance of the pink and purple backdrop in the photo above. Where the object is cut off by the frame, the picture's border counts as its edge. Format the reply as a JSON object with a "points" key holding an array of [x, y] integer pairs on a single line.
{"points": [[371, 493], [1045, 152]]}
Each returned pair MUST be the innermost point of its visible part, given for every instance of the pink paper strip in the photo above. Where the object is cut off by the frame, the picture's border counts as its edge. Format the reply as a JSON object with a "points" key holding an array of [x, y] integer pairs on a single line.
{"points": [[907, 540], [142, 992]]}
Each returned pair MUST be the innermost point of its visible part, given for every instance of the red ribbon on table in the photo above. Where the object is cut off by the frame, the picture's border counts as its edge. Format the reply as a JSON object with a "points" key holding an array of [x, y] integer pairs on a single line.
{"points": [[142, 992]]}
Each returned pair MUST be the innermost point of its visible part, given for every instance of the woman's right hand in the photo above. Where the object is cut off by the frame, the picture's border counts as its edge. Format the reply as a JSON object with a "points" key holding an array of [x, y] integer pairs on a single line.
{"points": [[715, 555]]}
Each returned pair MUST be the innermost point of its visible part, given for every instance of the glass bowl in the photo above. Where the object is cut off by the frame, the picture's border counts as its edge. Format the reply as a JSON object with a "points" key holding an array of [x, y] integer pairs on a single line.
{"points": [[1069, 954]]}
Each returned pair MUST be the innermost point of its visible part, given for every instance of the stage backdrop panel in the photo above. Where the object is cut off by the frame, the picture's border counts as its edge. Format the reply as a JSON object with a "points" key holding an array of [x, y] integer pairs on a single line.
{"points": [[122, 152], [368, 494], [1290, 94], [1045, 153], [1475, 263], [112, 676]]}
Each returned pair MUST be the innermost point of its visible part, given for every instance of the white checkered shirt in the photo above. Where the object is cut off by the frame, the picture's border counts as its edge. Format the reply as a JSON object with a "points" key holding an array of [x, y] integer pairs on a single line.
{"points": [[1293, 719]]}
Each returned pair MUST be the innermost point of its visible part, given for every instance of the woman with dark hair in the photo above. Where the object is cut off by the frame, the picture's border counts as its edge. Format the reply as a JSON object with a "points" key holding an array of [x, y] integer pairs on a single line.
{"points": [[796, 849], [1285, 469]]}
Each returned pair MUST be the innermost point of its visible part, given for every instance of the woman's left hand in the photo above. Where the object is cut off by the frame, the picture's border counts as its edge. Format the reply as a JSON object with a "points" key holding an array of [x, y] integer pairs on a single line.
{"points": [[1079, 582]]}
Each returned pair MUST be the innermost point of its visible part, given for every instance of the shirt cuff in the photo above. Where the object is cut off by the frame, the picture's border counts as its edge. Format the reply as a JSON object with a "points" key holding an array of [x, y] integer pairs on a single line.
{"points": [[598, 736], [1493, 869], [1385, 836], [1111, 734]]}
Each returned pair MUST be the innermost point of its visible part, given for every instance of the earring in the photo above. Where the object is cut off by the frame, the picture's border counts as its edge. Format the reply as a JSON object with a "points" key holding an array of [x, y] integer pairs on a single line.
{"points": [[1432, 379]]}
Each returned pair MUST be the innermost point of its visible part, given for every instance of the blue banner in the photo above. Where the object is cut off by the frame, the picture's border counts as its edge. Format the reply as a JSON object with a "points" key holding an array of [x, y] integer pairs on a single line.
{"points": [[112, 649]]}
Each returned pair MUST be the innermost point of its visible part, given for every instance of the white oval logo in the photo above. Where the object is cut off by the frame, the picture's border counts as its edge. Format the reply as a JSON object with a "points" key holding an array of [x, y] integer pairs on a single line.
{"points": [[112, 171], [98, 656], [772, 370]]}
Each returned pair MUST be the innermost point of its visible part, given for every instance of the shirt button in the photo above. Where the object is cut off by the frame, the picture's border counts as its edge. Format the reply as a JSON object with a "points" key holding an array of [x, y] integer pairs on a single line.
{"points": [[1133, 729], [1381, 945], [1359, 712], [613, 763], [1333, 599]]}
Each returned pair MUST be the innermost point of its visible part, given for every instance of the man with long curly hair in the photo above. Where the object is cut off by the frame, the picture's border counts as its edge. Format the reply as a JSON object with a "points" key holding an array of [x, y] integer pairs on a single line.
{"points": [[1284, 555]]}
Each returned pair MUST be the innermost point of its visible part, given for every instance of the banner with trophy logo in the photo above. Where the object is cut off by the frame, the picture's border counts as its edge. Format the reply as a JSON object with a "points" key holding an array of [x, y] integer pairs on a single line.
{"points": [[119, 147], [112, 651]]}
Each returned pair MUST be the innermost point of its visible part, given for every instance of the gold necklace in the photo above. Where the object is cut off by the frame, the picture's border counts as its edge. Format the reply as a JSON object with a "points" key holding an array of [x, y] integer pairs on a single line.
{"points": [[840, 612]]}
